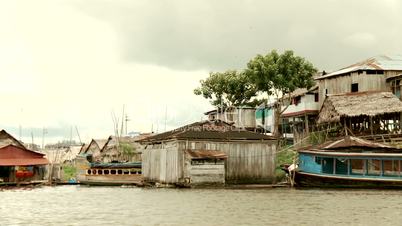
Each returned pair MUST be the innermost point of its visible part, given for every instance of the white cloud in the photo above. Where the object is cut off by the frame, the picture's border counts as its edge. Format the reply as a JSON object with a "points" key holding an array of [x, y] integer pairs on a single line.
{"points": [[60, 67]]}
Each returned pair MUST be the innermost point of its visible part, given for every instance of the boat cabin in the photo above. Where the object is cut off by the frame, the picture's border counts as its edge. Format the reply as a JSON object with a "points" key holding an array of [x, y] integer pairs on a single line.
{"points": [[350, 162]]}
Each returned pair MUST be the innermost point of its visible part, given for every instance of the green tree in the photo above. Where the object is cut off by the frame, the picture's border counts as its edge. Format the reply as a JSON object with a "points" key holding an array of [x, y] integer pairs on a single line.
{"points": [[278, 75], [227, 89]]}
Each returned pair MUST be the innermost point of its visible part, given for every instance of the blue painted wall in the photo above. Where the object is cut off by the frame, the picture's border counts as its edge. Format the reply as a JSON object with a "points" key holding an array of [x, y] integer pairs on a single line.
{"points": [[308, 163]]}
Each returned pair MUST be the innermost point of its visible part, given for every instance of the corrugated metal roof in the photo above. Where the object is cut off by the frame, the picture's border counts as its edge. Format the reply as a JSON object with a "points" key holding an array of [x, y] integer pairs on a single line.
{"points": [[206, 154], [23, 162], [16, 156], [206, 130], [382, 62]]}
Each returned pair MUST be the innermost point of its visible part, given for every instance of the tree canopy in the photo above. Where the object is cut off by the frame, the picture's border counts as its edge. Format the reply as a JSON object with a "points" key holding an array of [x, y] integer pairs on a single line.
{"points": [[274, 74], [226, 89], [280, 74]]}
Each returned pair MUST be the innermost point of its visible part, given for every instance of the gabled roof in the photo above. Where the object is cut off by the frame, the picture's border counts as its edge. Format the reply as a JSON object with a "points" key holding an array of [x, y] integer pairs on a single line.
{"points": [[217, 130], [7, 139], [99, 143], [382, 62], [358, 104]]}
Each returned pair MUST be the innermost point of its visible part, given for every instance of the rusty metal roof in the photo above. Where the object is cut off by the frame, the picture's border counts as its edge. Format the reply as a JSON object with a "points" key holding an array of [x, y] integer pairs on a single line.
{"points": [[206, 154], [16, 156], [382, 62]]}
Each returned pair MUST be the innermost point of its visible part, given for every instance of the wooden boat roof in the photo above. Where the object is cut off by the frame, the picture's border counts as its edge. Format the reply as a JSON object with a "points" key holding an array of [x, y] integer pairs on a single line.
{"points": [[352, 154], [350, 144]]}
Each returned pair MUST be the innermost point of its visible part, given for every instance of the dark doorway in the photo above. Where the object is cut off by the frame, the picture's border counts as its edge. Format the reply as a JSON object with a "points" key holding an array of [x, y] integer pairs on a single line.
{"points": [[5, 173], [355, 87]]}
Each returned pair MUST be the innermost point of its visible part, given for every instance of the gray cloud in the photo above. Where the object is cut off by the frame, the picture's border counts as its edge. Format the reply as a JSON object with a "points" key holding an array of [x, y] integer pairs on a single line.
{"points": [[219, 35]]}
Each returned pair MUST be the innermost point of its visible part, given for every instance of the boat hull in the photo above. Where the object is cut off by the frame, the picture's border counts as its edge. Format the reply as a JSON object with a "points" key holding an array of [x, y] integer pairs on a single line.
{"points": [[112, 180], [303, 179]]}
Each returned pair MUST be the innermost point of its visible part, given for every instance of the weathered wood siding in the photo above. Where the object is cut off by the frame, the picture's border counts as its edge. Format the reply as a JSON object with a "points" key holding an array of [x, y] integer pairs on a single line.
{"points": [[247, 162], [241, 117], [207, 174], [342, 84], [163, 163]]}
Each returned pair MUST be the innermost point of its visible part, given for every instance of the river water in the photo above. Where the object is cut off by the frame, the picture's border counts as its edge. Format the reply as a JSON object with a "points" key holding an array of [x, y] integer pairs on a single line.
{"points": [[80, 205]]}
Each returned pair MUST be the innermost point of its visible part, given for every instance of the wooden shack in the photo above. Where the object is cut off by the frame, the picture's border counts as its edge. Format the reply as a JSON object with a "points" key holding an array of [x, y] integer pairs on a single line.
{"points": [[121, 149], [208, 152], [19, 165], [93, 150]]}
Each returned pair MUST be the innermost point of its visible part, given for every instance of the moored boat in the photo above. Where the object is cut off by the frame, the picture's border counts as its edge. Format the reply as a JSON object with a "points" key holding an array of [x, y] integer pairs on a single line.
{"points": [[110, 174], [350, 163]]}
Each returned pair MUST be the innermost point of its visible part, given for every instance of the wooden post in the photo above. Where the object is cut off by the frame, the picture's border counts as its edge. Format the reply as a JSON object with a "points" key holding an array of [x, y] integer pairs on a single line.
{"points": [[306, 124], [381, 168], [371, 125], [346, 128], [334, 169], [400, 120], [364, 167]]}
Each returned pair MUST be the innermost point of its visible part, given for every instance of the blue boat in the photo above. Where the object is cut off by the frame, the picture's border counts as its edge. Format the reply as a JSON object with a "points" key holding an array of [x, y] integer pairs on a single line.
{"points": [[350, 162]]}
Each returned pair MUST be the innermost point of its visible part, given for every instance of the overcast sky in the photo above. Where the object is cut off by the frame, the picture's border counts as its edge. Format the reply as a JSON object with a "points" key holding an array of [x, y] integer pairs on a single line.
{"points": [[71, 63]]}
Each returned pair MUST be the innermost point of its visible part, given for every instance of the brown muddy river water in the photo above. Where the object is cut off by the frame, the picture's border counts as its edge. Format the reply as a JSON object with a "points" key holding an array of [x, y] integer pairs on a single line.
{"points": [[79, 205]]}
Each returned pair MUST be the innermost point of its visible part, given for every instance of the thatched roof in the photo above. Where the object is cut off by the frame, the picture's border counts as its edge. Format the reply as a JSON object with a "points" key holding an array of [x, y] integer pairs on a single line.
{"points": [[358, 104]]}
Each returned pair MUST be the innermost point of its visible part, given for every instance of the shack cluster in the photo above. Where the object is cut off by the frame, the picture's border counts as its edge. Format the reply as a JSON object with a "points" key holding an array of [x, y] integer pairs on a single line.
{"points": [[233, 145]]}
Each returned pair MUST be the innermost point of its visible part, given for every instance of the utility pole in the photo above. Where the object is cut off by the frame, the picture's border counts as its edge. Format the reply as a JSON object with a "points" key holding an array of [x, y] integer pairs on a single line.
{"points": [[122, 122], [32, 139], [20, 131], [71, 135], [127, 119], [78, 134], [44, 131]]}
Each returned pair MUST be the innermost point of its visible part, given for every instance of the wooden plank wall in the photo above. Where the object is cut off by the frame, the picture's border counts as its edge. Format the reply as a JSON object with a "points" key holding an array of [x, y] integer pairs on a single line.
{"points": [[162, 163], [247, 162], [342, 84], [207, 174]]}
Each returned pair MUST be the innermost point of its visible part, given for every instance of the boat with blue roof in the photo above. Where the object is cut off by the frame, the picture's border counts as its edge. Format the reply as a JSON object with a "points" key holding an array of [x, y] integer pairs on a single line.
{"points": [[350, 162]]}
